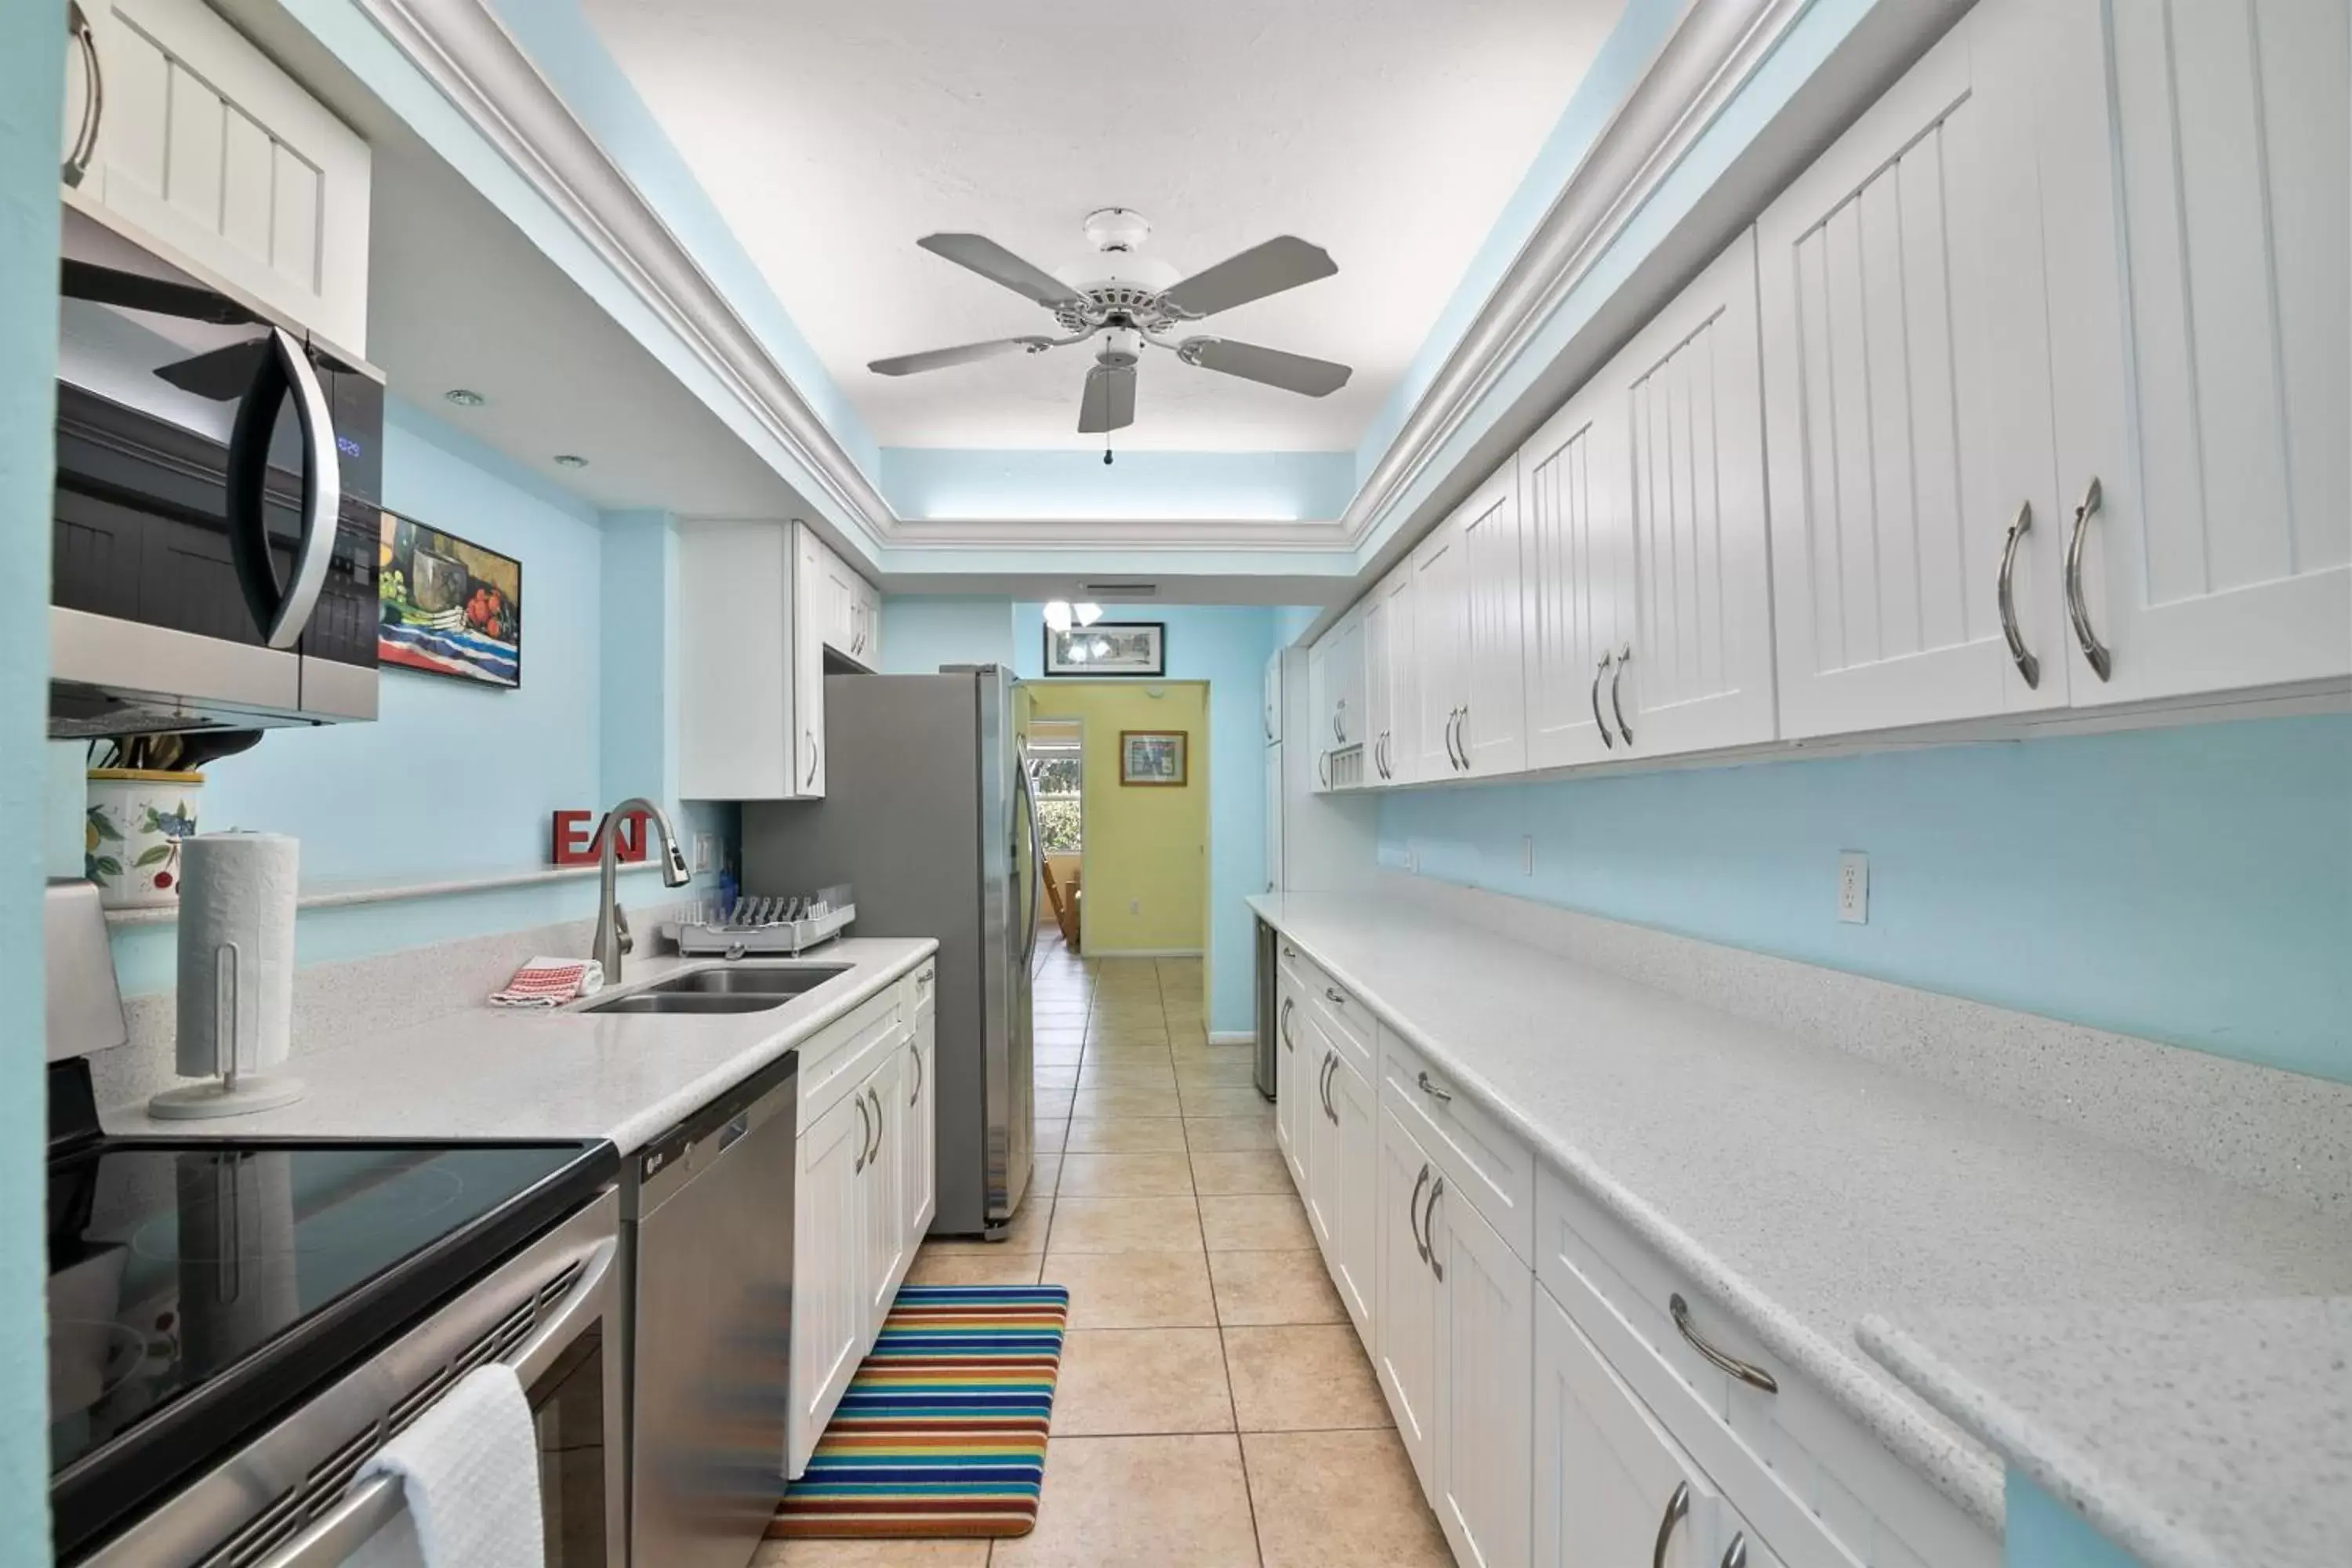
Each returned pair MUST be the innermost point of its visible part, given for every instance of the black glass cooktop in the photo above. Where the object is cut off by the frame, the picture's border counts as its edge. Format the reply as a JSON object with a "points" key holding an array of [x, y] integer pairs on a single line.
{"points": [[197, 1291]]}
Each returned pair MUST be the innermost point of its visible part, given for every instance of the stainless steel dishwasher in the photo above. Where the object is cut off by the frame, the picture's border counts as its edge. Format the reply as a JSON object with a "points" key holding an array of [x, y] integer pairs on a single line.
{"points": [[710, 1216]]}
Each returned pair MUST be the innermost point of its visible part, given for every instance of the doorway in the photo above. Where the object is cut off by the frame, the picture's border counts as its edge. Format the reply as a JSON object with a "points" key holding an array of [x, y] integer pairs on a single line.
{"points": [[1057, 773]]}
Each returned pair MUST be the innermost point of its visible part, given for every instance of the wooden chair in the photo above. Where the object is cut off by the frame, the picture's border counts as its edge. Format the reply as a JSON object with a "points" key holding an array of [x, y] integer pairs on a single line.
{"points": [[1066, 906]]}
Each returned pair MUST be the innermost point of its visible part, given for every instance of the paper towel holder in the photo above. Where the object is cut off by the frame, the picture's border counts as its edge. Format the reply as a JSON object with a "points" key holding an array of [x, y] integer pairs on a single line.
{"points": [[231, 1092]]}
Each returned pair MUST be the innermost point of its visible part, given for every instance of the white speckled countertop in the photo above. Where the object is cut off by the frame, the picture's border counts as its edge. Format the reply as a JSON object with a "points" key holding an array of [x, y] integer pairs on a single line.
{"points": [[1803, 1187], [491, 1072], [2194, 1434]]}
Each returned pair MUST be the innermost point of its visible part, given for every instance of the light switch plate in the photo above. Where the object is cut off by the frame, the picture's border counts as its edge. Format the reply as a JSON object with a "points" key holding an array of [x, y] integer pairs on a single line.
{"points": [[1527, 857], [1853, 887]]}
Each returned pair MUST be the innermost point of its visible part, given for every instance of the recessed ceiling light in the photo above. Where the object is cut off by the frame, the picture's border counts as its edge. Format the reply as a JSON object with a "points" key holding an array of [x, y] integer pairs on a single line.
{"points": [[570, 460], [464, 397]]}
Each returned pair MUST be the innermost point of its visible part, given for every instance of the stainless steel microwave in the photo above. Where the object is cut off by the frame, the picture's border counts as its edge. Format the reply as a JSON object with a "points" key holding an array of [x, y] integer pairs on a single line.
{"points": [[217, 512]]}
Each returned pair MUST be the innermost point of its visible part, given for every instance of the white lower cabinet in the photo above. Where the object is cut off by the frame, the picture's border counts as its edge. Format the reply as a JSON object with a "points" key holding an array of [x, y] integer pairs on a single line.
{"points": [[1289, 1100], [829, 1311], [1611, 1486], [1486, 1302], [1404, 1354], [1337, 1114], [864, 1197]]}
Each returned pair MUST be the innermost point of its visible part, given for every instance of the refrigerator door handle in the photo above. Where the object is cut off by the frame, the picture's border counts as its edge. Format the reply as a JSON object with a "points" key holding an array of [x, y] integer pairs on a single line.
{"points": [[1036, 889]]}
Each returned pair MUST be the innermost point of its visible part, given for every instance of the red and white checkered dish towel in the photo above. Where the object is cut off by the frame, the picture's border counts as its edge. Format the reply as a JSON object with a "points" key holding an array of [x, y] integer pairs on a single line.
{"points": [[550, 983]]}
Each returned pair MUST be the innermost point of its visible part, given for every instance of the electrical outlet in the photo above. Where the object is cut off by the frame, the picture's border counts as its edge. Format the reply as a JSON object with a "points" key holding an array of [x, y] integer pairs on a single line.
{"points": [[1527, 857], [1412, 856], [1135, 906], [706, 850], [1853, 887]]}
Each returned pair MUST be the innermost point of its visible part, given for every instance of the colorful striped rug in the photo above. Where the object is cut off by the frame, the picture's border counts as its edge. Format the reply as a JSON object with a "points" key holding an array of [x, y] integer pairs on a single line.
{"points": [[943, 1431]]}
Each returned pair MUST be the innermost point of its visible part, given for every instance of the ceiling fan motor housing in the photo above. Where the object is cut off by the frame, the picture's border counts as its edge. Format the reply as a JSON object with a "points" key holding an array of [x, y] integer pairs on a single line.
{"points": [[1117, 229]]}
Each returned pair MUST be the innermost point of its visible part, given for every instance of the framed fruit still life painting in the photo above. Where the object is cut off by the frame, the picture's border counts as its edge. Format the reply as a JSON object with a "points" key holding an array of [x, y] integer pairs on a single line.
{"points": [[447, 606]]}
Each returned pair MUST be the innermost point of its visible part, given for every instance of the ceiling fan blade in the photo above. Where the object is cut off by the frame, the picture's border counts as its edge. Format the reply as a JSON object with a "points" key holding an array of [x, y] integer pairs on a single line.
{"points": [[1292, 373], [1108, 402], [1284, 262], [998, 265], [962, 353]]}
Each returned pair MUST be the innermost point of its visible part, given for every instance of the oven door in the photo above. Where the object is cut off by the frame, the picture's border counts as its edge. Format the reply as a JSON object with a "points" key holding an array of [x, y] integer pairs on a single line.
{"points": [[288, 1500]]}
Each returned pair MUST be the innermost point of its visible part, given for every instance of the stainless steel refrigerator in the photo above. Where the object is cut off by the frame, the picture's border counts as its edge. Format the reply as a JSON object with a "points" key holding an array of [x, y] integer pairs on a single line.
{"points": [[928, 814]]}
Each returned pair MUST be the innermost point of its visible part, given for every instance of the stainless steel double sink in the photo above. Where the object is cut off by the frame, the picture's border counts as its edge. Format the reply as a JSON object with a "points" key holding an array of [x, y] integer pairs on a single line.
{"points": [[722, 989]]}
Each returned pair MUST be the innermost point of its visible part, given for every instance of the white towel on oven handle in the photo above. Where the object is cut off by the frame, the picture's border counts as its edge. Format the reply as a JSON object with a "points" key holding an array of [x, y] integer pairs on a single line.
{"points": [[470, 1467]]}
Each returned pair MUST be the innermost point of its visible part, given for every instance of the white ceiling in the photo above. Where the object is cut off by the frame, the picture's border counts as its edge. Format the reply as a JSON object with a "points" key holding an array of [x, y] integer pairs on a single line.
{"points": [[831, 135]]}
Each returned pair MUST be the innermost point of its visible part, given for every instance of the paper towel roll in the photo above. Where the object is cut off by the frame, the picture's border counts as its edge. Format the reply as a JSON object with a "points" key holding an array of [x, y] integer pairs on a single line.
{"points": [[236, 951]]}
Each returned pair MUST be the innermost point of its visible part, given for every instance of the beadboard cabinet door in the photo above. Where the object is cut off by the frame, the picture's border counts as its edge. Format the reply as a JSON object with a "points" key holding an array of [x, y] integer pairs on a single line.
{"points": [[1907, 403], [1402, 715], [1440, 622], [811, 601], [1378, 653], [206, 144], [1695, 673], [1404, 1309], [1491, 735], [829, 1307], [2198, 195], [1486, 1350], [1573, 496]]}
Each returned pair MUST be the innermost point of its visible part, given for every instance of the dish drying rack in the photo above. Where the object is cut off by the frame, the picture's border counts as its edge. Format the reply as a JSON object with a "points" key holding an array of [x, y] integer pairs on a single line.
{"points": [[766, 927]]}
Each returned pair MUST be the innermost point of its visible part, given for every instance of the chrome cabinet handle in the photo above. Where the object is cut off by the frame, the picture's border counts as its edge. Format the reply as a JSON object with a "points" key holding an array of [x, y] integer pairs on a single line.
{"points": [[881, 1127], [810, 782], [1413, 1212], [914, 1096], [1339, 997], [93, 111], [1429, 1226], [1289, 950], [1736, 1554], [2027, 665], [1608, 742], [2078, 610], [1338, 727], [1616, 706], [1753, 1376], [1677, 1508], [864, 1135], [1282, 1025], [1330, 1070], [1431, 1091]]}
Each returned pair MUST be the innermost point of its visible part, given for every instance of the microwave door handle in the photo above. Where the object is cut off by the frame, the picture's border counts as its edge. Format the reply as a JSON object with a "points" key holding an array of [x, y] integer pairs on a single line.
{"points": [[374, 1502], [282, 613]]}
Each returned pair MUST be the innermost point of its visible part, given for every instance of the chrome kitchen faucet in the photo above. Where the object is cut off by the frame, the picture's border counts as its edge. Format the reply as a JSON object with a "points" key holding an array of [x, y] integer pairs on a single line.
{"points": [[613, 939]]}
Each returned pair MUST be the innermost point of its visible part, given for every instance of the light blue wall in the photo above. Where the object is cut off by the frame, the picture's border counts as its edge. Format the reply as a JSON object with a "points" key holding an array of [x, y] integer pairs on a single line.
{"points": [[1226, 646], [921, 633], [2191, 885], [32, 42], [1279, 486], [2045, 1533]]}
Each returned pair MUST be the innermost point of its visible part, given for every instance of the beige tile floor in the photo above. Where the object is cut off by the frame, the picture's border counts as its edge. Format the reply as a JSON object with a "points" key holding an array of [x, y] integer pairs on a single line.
{"points": [[1214, 1408]]}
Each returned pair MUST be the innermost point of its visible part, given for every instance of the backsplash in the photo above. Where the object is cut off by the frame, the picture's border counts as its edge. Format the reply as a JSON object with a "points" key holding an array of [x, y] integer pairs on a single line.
{"points": [[2191, 884]]}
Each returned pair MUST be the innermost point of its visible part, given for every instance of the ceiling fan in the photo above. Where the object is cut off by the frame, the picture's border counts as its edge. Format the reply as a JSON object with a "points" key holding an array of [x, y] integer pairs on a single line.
{"points": [[1129, 313]]}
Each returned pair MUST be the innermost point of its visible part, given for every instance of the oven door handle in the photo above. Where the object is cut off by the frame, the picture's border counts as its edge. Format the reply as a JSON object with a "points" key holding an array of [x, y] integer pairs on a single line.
{"points": [[282, 612], [374, 1502]]}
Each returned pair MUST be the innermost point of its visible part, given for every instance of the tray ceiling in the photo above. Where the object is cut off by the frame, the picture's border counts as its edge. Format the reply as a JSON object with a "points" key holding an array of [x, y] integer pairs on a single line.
{"points": [[831, 136]]}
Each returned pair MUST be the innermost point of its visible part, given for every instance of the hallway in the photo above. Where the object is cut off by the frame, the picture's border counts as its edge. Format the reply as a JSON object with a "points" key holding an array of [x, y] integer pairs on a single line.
{"points": [[1214, 1409]]}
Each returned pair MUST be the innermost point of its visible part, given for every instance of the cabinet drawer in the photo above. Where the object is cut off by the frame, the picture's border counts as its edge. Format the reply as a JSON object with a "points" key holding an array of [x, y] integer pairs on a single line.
{"points": [[1345, 1018], [1483, 1159], [919, 994], [838, 1058], [1793, 1463]]}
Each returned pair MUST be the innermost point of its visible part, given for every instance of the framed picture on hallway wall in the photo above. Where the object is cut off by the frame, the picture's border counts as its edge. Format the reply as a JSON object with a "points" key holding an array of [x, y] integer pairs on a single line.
{"points": [[1153, 757], [1108, 648]]}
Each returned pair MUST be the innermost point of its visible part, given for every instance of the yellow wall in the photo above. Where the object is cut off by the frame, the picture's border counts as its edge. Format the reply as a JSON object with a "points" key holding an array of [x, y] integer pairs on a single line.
{"points": [[1146, 848]]}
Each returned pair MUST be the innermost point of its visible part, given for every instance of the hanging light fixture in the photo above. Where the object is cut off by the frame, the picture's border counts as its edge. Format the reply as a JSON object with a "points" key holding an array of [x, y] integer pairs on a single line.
{"points": [[1057, 615]]}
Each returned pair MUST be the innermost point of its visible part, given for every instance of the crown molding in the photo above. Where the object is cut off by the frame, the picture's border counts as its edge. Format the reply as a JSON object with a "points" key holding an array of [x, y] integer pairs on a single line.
{"points": [[1710, 56], [464, 50]]}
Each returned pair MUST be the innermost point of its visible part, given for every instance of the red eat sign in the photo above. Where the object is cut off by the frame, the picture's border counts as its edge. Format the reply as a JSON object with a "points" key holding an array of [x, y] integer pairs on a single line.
{"points": [[576, 842]]}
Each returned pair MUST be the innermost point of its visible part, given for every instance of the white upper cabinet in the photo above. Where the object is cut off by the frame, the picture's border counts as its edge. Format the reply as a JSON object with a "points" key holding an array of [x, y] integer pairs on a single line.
{"points": [[1695, 671], [1400, 715], [1378, 652], [1573, 481], [2197, 193], [850, 610], [1907, 403], [1270, 699], [1441, 631], [195, 136], [1648, 594], [1491, 734], [738, 701], [817, 590]]}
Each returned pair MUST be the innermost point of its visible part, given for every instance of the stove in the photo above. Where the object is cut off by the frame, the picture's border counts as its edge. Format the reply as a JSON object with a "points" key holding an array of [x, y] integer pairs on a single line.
{"points": [[199, 1291]]}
